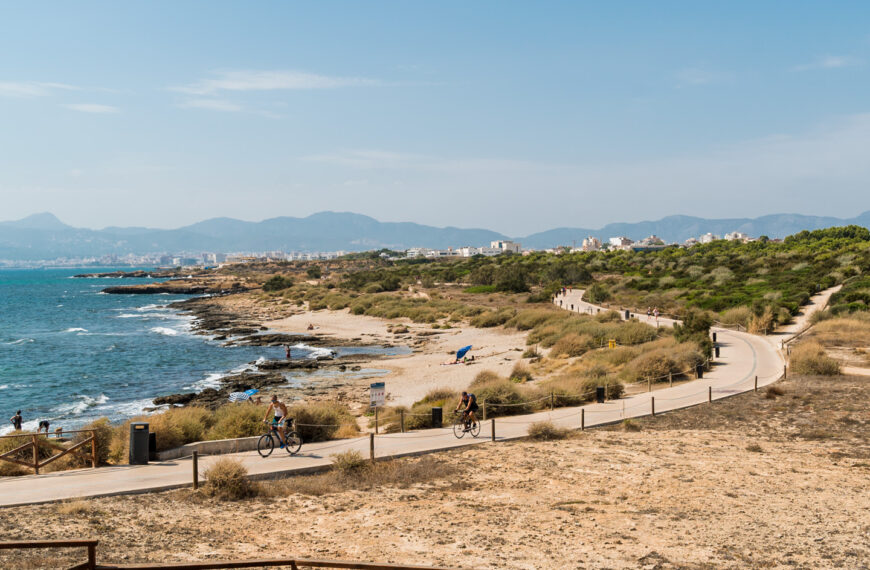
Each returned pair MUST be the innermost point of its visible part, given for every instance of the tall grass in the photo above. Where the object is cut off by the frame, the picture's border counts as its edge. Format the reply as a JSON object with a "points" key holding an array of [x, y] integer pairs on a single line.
{"points": [[809, 358]]}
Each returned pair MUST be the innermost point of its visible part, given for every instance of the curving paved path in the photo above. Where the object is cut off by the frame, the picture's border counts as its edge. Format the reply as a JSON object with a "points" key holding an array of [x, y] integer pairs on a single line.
{"points": [[742, 358]]}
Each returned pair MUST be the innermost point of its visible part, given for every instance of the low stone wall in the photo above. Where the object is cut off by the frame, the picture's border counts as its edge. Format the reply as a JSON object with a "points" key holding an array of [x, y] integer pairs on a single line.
{"points": [[215, 447]]}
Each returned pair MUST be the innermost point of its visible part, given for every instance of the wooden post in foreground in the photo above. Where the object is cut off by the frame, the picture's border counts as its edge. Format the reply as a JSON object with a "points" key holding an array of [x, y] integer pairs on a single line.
{"points": [[582, 419], [652, 401], [35, 439], [195, 470], [784, 372], [709, 394], [402, 413], [756, 383], [92, 556], [93, 449], [492, 424], [372, 447]]}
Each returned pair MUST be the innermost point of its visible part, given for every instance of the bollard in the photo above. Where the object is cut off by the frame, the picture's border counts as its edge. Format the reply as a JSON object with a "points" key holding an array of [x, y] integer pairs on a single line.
{"points": [[492, 427], [717, 352], [195, 470], [671, 379], [372, 447], [709, 394], [784, 372], [756, 383], [376, 420], [652, 401], [402, 415], [582, 419], [714, 336]]}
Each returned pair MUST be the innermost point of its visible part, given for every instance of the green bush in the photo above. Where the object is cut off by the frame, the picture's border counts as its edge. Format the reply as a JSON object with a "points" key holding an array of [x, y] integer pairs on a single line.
{"points": [[236, 420], [810, 358], [227, 479], [277, 283], [323, 420]]}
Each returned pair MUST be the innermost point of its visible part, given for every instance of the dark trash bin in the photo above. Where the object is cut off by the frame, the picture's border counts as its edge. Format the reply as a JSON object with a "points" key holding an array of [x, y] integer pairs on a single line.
{"points": [[139, 442], [699, 370], [714, 337], [627, 315], [599, 394], [717, 352], [437, 417]]}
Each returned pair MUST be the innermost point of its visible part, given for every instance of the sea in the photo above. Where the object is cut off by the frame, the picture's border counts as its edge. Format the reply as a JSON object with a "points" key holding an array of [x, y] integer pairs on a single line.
{"points": [[70, 354]]}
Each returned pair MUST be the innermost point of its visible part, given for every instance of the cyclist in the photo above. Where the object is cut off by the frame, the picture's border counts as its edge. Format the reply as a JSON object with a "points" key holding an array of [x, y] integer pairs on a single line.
{"points": [[280, 417], [468, 405]]}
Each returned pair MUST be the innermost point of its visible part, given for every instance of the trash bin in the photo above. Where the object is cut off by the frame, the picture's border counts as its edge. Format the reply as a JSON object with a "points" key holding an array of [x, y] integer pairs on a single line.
{"points": [[699, 370], [717, 352], [437, 417], [714, 337], [599, 394], [627, 315], [139, 440]]}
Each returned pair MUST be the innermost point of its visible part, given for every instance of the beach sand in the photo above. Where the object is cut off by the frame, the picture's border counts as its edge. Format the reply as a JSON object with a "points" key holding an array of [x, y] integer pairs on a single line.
{"points": [[412, 376]]}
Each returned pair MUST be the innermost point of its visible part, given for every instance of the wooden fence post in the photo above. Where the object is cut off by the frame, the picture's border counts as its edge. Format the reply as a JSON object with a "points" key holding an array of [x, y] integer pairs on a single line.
{"points": [[92, 556], [784, 372], [402, 413], [93, 449], [756, 383], [195, 470], [671, 379], [648, 385], [35, 439], [652, 401], [372, 447], [582, 419], [709, 394], [492, 425]]}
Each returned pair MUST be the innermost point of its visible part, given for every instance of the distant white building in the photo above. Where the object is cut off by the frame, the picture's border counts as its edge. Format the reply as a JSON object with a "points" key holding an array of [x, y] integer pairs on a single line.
{"points": [[690, 242], [708, 237], [652, 240], [591, 244], [737, 236], [621, 242], [417, 252], [506, 246], [472, 251]]}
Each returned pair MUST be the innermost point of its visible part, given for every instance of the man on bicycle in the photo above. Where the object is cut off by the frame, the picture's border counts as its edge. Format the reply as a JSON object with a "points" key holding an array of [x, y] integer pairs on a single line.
{"points": [[468, 405], [280, 417]]}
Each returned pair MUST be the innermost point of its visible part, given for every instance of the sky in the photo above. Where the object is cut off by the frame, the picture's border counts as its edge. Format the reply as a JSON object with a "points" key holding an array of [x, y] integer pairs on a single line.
{"points": [[512, 116]]}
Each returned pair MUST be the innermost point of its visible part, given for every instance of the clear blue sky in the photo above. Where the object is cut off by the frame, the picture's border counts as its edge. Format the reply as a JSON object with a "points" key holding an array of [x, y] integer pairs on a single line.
{"points": [[515, 116]]}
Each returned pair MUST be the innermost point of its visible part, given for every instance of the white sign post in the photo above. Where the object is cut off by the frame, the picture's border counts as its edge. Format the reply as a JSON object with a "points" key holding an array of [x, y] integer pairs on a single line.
{"points": [[378, 395]]}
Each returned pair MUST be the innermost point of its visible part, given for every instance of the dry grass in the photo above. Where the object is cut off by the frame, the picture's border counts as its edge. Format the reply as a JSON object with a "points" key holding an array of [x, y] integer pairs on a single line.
{"points": [[852, 331], [810, 358], [76, 507], [547, 431], [227, 479]]}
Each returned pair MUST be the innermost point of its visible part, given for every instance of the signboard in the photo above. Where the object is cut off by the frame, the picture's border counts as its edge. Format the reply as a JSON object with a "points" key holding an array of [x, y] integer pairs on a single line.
{"points": [[378, 395]]}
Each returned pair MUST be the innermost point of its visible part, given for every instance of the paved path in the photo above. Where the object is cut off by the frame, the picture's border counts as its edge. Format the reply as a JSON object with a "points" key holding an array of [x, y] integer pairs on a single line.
{"points": [[742, 358]]}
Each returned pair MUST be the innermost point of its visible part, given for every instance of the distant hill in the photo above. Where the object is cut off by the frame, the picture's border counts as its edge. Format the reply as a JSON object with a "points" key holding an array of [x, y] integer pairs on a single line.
{"points": [[43, 236]]}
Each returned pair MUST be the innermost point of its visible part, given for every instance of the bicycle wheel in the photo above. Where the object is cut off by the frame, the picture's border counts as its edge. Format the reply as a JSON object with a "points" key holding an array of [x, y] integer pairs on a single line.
{"points": [[293, 443], [475, 429], [265, 445], [459, 427]]}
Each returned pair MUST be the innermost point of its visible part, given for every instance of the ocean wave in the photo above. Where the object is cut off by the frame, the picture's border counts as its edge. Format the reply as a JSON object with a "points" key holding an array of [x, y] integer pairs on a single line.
{"points": [[165, 331], [4, 386], [20, 341], [76, 329], [314, 352], [79, 407]]}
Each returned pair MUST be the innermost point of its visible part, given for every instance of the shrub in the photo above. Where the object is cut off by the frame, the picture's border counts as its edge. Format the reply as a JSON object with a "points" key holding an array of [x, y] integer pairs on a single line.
{"points": [[227, 479], [502, 398], [810, 358], [420, 415], [629, 424], [492, 318], [236, 420], [349, 462], [736, 316], [571, 345], [277, 283], [773, 391], [103, 433], [547, 431], [324, 419], [521, 373], [484, 377], [8, 469]]}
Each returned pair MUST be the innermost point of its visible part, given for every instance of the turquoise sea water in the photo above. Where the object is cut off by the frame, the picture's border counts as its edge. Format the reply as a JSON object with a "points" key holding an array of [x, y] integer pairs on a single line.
{"points": [[70, 354]]}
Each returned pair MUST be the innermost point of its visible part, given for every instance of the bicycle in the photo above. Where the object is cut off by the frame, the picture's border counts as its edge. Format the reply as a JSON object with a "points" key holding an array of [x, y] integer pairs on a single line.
{"points": [[266, 443], [462, 425]]}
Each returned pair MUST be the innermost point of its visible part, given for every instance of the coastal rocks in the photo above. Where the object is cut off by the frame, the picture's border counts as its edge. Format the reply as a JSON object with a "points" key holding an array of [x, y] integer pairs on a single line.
{"points": [[287, 365], [157, 288], [278, 339], [213, 398], [138, 274]]}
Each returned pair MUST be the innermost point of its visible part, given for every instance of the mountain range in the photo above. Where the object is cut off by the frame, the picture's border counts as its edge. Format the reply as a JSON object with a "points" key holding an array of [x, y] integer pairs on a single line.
{"points": [[43, 236]]}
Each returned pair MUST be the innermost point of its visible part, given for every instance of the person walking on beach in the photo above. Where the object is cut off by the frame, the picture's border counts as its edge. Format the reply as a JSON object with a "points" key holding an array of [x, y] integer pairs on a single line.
{"points": [[287, 351], [43, 425], [16, 420]]}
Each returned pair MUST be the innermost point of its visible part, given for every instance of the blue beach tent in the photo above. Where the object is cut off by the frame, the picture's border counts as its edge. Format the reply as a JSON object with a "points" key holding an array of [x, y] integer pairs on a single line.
{"points": [[462, 351]]}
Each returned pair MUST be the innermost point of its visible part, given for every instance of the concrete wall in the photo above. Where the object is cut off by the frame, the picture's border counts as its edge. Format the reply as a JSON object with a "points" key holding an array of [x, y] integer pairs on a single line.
{"points": [[215, 447]]}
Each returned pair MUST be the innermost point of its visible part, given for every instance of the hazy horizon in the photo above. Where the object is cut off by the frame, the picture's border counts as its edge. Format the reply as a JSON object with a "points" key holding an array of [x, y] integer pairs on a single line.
{"points": [[512, 117]]}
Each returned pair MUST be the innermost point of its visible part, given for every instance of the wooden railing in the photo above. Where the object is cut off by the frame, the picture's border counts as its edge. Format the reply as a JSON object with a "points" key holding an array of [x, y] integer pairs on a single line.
{"points": [[293, 563], [35, 440]]}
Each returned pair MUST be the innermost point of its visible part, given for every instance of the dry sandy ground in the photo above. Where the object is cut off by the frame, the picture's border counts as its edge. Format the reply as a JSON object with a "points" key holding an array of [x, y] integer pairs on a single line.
{"points": [[748, 482]]}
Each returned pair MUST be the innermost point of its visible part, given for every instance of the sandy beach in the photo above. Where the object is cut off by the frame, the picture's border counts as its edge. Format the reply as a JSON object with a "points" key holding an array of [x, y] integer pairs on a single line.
{"points": [[412, 376]]}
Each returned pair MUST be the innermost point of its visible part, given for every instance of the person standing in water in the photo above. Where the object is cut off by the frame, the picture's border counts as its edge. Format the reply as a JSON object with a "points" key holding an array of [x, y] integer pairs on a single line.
{"points": [[16, 420]]}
